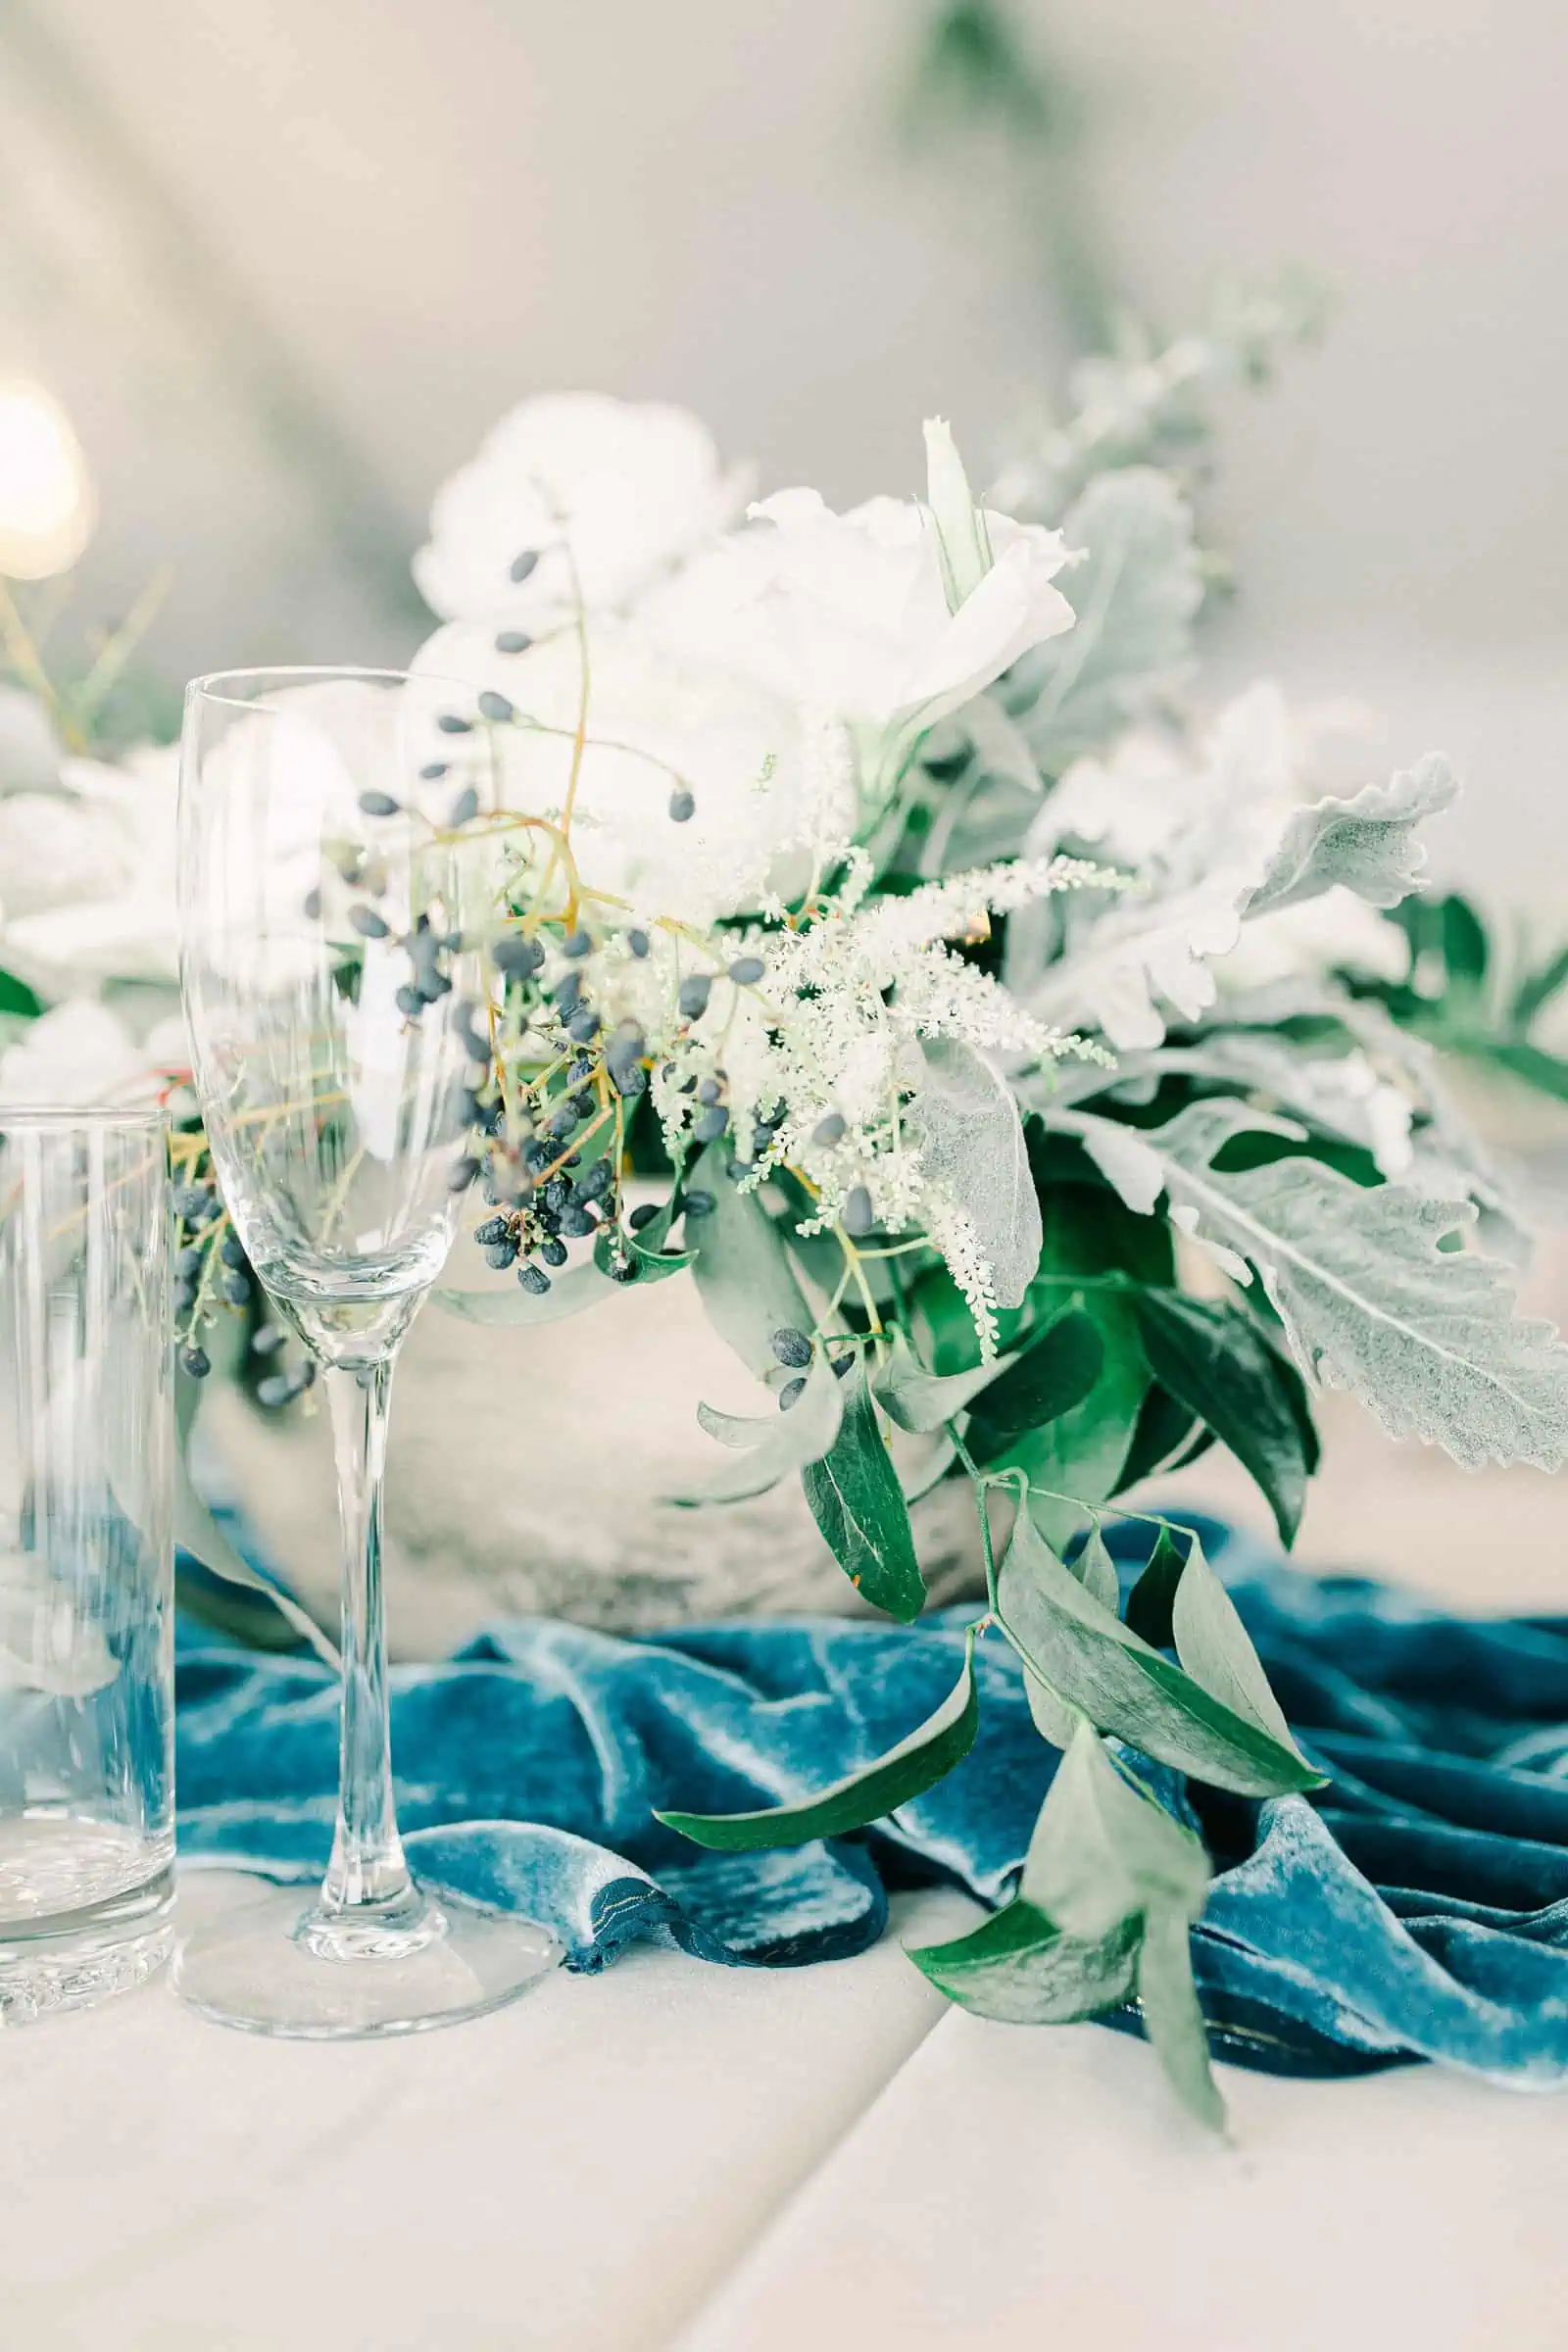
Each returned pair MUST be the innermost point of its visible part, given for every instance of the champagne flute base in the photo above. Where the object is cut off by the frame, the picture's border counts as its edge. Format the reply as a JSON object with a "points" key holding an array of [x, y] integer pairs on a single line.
{"points": [[258, 1961]]}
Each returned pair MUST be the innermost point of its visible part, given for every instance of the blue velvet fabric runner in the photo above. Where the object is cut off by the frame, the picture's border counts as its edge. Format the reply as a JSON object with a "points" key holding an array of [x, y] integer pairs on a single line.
{"points": [[1417, 1908]]}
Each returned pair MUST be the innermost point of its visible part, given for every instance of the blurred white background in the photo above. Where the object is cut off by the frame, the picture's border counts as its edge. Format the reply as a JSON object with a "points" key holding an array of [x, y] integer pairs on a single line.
{"points": [[285, 262]]}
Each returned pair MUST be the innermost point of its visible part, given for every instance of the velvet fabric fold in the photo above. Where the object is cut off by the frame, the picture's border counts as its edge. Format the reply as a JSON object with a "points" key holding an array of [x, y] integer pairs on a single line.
{"points": [[1416, 1908]]}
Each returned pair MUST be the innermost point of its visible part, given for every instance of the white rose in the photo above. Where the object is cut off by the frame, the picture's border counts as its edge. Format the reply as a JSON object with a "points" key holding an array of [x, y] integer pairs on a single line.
{"points": [[765, 780], [83, 1053], [605, 493], [848, 614], [89, 875]]}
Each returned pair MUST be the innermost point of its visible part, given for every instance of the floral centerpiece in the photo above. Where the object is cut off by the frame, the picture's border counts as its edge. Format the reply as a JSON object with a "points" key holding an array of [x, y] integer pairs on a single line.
{"points": [[1023, 1067]]}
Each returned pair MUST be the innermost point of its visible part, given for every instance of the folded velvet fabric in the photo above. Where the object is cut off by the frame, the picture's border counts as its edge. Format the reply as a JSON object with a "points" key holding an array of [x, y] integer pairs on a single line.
{"points": [[1416, 1908]]}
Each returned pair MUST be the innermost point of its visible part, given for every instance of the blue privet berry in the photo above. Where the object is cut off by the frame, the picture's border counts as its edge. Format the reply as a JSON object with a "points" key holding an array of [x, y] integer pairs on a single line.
{"points": [[697, 1203], [583, 1024], [410, 1002], [473, 1041], [553, 1253], [637, 941], [789, 1393], [694, 995], [710, 1124], [462, 1173], [737, 1171], [576, 943], [557, 1193], [746, 971], [564, 1123], [709, 1091], [534, 1279], [268, 1339], [513, 641], [682, 804], [843, 1364], [231, 1249], [452, 722], [183, 1299], [524, 564], [567, 994], [576, 1223], [643, 1214], [378, 804], [792, 1347], [585, 1104], [858, 1215], [501, 1254], [189, 1264], [312, 905], [495, 708], [463, 808], [196, 1360], [628, 1078], [597, 1181], [432, 771], [517, 955], [368, 923], [829, 1130], [622, 1268], [190, 1201], [493, 1230], [277, 1389], [236, 1289]]}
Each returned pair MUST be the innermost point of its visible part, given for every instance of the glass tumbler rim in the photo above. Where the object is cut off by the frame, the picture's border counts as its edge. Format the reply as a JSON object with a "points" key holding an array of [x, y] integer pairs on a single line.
{"points": [[209, 687]]}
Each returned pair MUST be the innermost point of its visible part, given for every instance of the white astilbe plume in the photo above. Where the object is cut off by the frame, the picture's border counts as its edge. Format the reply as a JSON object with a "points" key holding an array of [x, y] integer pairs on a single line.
{"points": [[818, 1058]]}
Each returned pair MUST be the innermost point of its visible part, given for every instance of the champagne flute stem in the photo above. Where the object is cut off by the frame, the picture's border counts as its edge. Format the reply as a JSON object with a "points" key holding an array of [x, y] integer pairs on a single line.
{"points": [[367, 1876]]}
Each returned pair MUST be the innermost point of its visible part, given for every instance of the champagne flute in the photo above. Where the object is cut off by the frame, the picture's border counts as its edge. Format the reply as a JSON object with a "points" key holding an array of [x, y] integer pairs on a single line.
{"points": [[328, 900]]}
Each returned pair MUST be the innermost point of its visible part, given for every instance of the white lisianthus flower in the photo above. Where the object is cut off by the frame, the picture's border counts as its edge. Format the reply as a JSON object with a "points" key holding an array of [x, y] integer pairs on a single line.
{"points": [[88, 875], [82, 1054], [769, 787], [604, 493], [850, 614]]}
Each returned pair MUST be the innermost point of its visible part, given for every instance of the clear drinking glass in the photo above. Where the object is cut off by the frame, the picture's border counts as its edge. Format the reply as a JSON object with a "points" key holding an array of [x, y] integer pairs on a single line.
{"points": [[322, 885], [86, 1558]]}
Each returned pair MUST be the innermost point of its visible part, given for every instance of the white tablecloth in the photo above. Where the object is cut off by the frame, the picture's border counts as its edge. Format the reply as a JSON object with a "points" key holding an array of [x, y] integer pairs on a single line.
{"points": [[678, 2158]]}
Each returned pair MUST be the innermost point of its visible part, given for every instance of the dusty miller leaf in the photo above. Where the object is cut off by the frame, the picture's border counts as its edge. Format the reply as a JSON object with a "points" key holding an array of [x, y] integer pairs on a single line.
{"points": [[1367, 842], [964, 1122], [1135, 595], [1425, 1336]]}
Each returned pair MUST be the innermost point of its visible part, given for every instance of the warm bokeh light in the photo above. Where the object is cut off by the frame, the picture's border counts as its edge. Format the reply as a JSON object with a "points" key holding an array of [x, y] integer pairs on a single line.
{"points": [[46, 499]]}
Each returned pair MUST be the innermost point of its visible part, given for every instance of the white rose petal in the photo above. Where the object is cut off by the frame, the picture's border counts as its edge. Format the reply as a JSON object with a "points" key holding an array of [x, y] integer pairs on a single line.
{"points": [[79, 1054], [606, 492]]}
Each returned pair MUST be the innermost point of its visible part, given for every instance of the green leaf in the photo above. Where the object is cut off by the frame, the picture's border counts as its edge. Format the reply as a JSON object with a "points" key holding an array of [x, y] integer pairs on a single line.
{"points": [[1538, 988], [919, 1400], [1216, 1649], [906, 1771], [1153, 1598], [15, 996], [1213, 1360], [1465, 947], [775, 1445], [1019, 1967], [1172, 2019], [1547, 1072], [743, 1272], [570, 1294], [1164, 1428], [646, 1248], [1103, 1851], [1096, 1571], [859, 1505], [1101, 1666], [1044, 1380]]}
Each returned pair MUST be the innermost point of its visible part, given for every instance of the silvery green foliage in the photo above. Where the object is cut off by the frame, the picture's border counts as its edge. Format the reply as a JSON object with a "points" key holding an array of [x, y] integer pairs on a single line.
{"points": [[964, 1122], [1369, 1299], [1367, 842], [1136, 593]]}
